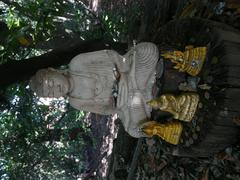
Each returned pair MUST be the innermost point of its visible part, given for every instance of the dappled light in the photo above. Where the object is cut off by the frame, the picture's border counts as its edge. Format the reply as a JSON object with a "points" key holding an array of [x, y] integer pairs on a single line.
{"points": [[189, 129]]}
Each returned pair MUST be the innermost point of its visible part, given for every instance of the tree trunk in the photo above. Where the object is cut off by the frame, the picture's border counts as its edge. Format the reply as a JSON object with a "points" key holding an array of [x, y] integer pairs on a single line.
{"points": [[15, 71], [66, 134]]}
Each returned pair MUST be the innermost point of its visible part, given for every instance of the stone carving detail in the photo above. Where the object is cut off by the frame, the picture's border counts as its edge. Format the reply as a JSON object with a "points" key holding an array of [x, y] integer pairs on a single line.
{"points": [[105, 82], [190, 61], [183, 107], [170, 132]]}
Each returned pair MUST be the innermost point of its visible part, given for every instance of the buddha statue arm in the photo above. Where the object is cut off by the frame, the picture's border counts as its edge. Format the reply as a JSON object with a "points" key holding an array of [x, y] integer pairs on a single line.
{"points": [[99, 62], [91, 106]]}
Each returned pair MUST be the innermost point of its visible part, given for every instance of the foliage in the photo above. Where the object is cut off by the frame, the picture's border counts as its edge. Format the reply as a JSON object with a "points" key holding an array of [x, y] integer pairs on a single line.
{"points": [[48, 141], [33, 23], [31, 145], [121, 19], [35, 27]]}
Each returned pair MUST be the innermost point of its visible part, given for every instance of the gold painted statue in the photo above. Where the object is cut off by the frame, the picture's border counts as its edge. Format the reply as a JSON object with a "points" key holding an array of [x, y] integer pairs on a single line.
{"points": [[170, 132], [183, 107], [190, 61]]}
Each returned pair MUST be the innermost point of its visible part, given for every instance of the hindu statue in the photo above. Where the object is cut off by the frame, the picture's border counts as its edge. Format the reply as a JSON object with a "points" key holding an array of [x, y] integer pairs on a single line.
{"points": [[106, 82]]}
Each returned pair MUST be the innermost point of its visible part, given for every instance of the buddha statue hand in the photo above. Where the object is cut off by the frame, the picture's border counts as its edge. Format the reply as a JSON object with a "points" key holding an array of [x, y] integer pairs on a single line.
{"points": [[170, 132], [183, 107], [190, 61]]}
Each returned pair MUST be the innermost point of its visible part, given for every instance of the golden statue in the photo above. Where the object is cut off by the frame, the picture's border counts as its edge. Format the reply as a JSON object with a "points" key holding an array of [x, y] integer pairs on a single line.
{"points": [[190, 61], [170, 132], [183, 107]]}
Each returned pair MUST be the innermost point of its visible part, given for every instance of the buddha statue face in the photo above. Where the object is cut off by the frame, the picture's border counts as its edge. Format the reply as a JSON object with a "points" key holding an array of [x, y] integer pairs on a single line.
{"points": [[50, 83]]}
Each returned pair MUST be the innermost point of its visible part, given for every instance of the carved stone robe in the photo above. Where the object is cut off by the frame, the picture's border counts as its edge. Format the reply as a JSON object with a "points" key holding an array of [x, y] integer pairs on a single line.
{"points": [[94, 76]]}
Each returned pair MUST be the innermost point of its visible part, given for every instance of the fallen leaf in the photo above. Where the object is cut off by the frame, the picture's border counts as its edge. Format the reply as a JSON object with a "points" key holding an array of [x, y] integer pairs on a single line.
{"points": [[236, 120], [205, 175], [204, 86]]}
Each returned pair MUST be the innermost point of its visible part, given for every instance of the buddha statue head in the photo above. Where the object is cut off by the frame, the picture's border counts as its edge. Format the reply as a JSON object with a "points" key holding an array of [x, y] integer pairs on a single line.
{"points": [[50, 83]]}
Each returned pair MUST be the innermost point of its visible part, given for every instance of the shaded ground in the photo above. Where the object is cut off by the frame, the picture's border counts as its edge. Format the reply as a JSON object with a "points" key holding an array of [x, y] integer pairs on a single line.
{"points": [[154, 162]]}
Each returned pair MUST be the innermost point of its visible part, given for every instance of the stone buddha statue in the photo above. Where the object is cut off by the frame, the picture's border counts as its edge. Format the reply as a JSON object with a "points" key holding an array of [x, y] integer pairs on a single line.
{"points": [[105, 82]]}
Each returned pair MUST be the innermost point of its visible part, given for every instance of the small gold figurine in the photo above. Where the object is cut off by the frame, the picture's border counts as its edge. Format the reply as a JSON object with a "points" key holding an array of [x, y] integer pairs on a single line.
{"points": [[190, 61], [170, 132], [183, 107]]}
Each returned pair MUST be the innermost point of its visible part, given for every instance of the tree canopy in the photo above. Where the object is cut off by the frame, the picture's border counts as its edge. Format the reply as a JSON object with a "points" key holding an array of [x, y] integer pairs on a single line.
{"points": [[44, 139]]}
